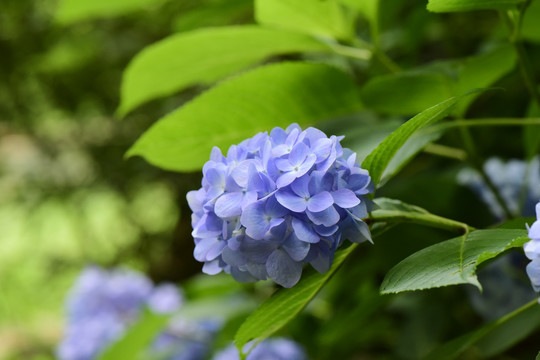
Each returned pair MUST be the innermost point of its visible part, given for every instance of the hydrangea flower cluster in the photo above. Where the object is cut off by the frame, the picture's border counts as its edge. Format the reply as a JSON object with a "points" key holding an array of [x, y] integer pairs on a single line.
{"points": [[270, 349], [509, 178], [102, 306], [277, 201], [532, 251]]}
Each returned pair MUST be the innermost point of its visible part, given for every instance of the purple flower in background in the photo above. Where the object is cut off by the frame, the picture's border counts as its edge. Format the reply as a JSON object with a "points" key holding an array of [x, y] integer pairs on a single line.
{"points": [[276, 202], [270, 349], [532, 251], [103, 304], [516, 181]]}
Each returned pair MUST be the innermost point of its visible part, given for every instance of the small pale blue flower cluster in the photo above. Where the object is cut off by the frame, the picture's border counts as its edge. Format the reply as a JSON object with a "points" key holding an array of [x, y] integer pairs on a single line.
{"points": [[532, 251], [103, 305], [277, 201], [271, 349], [509, 178]]}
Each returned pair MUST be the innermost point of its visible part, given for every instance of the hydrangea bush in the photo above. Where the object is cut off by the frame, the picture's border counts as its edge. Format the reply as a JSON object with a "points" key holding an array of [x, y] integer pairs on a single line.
{"points": [[287, 200], [277, 201], [270, 349], [517, 181], [104, 304]]}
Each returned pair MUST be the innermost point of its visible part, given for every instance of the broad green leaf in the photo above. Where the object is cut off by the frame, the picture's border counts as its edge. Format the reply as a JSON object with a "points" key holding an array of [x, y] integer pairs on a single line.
{"points": [[137, 339], [321, 18], [451, 262], [285, 304], [202, 57], [72, 11], [378, 159], [495, 337], [416, 143], [482, 70], [370, 10], [530, 27], [269, 96], [406, 93], [216, 13], [470, 5]]}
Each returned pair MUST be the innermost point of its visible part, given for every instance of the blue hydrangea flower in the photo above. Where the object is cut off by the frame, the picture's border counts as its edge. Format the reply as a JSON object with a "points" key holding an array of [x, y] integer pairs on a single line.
{"points": [[277, 201], [270, 349], [509, 178], [103, 304], [532, 251]]}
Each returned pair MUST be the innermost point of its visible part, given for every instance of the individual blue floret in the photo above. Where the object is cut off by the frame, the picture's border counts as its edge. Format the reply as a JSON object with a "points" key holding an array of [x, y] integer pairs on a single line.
{"points": [[277, 201], [103, 304], [532, 251], [270, 349]]}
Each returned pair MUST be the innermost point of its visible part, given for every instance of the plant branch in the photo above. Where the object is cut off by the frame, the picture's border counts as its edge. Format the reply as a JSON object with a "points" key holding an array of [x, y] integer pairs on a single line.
{"points": [[475, 161], [427, 219], [513, 23]]}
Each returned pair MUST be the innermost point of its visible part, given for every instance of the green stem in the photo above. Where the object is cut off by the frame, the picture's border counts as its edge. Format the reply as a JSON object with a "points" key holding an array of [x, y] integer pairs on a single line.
{"points": [[483, 332], [352, 52], [514, 28], [388, 63], [427, 219], [475, 161], [446, 151]]}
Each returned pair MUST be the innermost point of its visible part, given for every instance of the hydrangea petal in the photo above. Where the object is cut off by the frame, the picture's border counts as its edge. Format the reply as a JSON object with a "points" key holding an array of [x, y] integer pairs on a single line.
{"points": [[320, 202], [327, 217], [291, 201], [282, 269], [304, 231], [296, 248], [229, 205], [345, 198]]}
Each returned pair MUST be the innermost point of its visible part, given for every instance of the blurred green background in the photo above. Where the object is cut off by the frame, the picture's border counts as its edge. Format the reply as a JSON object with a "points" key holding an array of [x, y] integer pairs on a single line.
{"points": [[68, 197]]}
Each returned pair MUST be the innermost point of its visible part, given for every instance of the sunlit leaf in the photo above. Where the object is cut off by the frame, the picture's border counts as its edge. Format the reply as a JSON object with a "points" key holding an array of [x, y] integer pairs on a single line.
{"points": [[451, 262], [406, 93], [378, 159], [72, 11], [322, 18], [202, 57], [269, 96], [470, 5]]}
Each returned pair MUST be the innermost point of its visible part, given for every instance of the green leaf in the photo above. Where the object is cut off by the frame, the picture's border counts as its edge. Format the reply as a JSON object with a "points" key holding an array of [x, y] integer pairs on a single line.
{"points": [[406, 93], [370, 10], [202, 57], [217, 13], [451, 262], [273, 95], [321, 18], [470, 5], [482, 70], [398, 211], [495, 337], [416, 143], [285, 304], [378, 159], [137, 339], [72, 11], [530, 26]]}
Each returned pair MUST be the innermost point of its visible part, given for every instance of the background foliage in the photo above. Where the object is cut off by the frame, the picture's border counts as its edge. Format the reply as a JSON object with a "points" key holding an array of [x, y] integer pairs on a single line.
{"points": [[83, 83]]}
